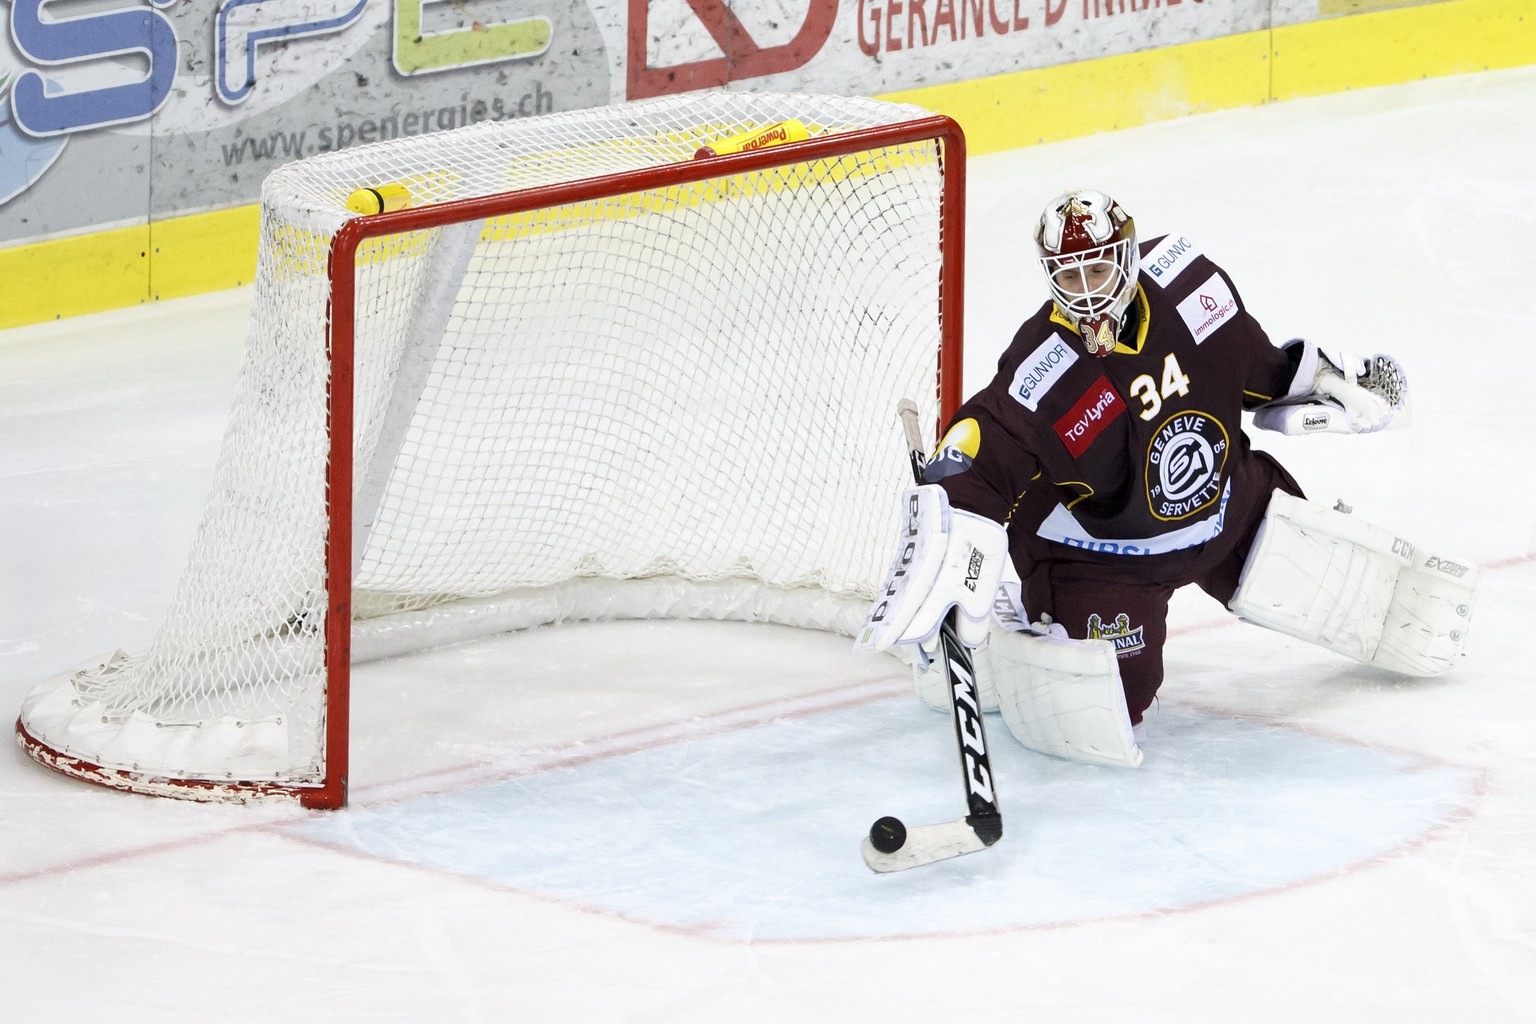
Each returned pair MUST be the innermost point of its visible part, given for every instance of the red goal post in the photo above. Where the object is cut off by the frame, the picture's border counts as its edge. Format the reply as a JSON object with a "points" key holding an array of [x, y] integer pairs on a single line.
{"points": [[733, 297]]}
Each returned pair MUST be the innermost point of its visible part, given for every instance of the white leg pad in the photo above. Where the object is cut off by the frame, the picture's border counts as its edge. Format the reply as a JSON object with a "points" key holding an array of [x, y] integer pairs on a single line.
{"points": [[1061, 697], [1058, 696], [1331, 579], [1007, 615], [1431, 612]]}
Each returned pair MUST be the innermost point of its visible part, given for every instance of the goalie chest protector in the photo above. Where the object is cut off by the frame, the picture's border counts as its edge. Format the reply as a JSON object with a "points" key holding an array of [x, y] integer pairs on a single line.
{"points": [[1140, 449]]}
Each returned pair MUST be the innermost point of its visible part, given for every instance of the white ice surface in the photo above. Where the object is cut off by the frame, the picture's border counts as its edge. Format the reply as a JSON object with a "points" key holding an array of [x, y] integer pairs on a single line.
{"points": [[659, 821]]}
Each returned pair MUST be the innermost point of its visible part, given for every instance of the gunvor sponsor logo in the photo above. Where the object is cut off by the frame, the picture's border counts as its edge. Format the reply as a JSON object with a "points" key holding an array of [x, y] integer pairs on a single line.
{"points": [[1167, 260], [1040, 369]]}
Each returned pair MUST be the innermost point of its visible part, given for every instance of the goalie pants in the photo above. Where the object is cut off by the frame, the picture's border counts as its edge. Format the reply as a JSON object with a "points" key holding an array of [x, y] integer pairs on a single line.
{"points": [[1124, 599]]}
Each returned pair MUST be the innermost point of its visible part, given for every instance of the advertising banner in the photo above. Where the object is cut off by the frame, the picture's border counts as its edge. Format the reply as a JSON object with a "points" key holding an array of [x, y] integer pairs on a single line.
{"points": [[114, 112]]}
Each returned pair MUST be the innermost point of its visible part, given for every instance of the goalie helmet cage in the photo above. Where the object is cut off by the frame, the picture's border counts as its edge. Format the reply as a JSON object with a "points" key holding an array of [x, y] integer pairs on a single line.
{"points": [[581, 375]]}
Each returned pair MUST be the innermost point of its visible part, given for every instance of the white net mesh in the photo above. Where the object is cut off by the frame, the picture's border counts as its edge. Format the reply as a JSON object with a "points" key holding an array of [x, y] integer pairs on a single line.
{"points": [[690, 383]]}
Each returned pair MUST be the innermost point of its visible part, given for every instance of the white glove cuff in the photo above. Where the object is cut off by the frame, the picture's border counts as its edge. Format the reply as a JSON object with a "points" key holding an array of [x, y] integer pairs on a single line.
{"points": [[1312, 361]]}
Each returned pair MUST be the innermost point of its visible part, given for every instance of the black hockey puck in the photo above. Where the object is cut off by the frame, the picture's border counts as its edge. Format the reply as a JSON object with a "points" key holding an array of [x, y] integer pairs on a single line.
{"points": [[888, 834]]}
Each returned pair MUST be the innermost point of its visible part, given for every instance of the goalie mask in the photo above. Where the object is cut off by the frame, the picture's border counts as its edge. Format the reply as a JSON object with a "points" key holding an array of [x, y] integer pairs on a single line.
{"points": [[1088, 247]]}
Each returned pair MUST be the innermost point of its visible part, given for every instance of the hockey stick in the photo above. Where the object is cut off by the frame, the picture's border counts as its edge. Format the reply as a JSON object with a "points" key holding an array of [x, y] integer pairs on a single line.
{"points": [[891, 845]]}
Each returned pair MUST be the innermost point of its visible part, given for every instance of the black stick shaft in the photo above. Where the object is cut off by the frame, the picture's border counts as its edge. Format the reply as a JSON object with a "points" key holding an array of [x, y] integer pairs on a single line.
{"points": [[964, 696]]}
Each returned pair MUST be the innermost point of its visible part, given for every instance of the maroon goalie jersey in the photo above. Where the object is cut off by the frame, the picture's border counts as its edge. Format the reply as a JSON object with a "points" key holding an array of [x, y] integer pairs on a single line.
{"points": [[1140, 453]]}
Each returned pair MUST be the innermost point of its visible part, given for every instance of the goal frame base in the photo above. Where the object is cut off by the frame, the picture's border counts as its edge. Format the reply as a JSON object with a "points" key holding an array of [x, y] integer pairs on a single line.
{"points": [[467, 620]]}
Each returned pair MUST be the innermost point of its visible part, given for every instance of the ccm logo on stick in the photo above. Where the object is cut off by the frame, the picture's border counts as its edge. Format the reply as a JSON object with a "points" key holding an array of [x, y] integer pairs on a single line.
{"points": [[968, 715]]}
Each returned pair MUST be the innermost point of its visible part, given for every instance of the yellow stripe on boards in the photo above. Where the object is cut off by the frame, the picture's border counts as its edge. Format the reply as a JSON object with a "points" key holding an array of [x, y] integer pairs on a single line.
{"points": [[204, 252], [1356, 44], [1024, 108], [103, 270], [1400, 45], [1408, 41], [70, 276]]}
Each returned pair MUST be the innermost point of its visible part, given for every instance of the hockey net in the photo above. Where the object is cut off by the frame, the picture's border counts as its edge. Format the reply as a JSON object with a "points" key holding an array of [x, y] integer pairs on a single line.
{"points": [[581, 375]]}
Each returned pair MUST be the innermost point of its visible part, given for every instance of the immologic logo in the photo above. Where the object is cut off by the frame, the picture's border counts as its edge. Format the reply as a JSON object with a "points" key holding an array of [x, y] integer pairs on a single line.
{"points": [[1212, 305]]}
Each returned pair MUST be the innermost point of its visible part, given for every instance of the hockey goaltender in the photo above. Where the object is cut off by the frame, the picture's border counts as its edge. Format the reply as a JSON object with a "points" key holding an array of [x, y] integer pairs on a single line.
{"points": [[1105, 466]]}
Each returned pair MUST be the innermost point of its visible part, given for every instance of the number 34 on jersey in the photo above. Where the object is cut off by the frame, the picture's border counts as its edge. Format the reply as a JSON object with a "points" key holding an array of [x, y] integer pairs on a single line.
{"points": [[1174, 382]]}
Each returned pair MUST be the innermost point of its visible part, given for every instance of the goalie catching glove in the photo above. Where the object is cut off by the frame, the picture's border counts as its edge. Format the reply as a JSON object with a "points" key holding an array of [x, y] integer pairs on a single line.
{"points": [[946, 558], [1338, 393]]}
